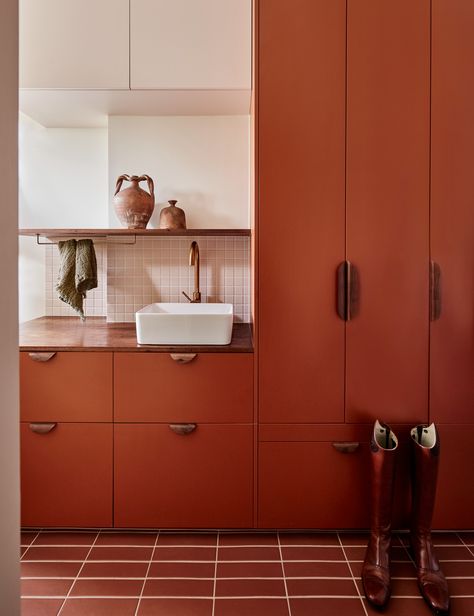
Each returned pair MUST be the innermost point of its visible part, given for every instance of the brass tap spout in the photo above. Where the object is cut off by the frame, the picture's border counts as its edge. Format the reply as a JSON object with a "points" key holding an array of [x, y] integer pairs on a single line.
{"points": [[194, 261]]}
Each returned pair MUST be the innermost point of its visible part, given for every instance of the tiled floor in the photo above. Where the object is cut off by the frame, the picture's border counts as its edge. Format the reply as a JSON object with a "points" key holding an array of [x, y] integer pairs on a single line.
{"points": [[224, 574]]}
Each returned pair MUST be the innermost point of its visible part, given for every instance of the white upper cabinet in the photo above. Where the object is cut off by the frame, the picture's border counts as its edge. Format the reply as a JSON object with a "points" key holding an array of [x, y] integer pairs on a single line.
{"points": [[74, 44], [190, 44]]}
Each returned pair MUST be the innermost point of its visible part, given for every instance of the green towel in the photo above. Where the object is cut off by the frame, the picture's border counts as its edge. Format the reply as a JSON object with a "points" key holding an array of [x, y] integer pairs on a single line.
{"points": [[77, 272]]}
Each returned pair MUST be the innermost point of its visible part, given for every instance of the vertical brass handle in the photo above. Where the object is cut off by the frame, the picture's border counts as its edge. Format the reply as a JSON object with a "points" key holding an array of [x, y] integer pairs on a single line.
{"points": [[183, 429], [435, 291], [347, 291], [41, 356], [42, 428], [346, 447], [183, 358]]}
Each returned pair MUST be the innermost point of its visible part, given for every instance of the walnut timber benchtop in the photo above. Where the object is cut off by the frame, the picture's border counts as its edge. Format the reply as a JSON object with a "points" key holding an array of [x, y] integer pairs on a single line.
{"points": [[70, 334]]}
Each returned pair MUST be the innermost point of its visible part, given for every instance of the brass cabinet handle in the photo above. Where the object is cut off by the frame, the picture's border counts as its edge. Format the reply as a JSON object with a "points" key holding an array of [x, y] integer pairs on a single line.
{"points": [[42, 428], [183, 429], [183, 358], [41, 356], [435, 291], [346, 447], [347, 291]]}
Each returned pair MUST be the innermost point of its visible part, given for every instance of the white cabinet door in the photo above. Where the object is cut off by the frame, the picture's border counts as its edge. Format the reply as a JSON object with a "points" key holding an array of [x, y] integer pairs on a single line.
{"points": [[191, 44], [74, 44]]}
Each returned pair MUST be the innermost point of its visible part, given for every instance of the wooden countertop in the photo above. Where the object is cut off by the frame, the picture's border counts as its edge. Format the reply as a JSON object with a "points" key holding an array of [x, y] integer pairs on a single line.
{"points": [[70, 334]]}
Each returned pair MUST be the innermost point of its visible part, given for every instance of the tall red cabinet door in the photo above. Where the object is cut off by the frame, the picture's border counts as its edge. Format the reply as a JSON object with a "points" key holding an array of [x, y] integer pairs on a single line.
{"points": [[300, 169], [388, 136], [452, 210]]}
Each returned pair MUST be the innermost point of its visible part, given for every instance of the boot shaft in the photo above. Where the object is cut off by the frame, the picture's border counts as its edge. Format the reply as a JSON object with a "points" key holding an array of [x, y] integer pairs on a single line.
{"points": [[384, 450], [425, 449]]}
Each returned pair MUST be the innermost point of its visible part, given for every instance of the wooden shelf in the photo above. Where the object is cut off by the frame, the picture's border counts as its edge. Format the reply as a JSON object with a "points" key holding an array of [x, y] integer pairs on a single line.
{"points": [[91, 233]]}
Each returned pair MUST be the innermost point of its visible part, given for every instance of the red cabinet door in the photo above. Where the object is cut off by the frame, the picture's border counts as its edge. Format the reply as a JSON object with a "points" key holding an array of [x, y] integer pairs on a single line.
{"points": [[388, 136], [452, 210], [66, 476], [213, 387], [67, 387], [300, 174], [455, 496], [199, 480], [311, 484]]}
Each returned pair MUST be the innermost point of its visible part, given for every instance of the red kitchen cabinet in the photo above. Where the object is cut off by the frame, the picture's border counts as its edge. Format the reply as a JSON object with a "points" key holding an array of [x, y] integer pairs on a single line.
{"points": [[452, 211], [301, 142], [201, 479], [387, 217], [212, 387], [66, 475], [66, 386]]}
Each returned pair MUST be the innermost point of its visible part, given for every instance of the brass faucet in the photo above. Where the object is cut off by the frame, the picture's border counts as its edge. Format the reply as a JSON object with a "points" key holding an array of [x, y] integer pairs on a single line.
{"points": [[194, 260]]}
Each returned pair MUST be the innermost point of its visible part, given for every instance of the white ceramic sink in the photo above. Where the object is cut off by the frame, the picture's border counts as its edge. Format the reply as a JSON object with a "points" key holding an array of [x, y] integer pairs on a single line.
{"points": [[184, 324]]}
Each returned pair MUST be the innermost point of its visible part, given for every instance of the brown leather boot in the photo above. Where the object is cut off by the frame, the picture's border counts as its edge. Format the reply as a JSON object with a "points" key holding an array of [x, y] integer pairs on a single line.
{"points": [[431, 580], [375, 570]]}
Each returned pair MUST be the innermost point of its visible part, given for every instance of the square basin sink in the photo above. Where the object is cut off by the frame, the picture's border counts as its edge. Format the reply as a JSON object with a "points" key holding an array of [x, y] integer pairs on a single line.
{"points": [[185, 324]]}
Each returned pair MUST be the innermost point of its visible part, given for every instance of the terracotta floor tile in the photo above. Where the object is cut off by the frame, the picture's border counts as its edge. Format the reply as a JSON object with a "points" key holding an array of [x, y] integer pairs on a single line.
{"points": [[49, 569], [61, 553], [309, 539], [467, 537], [45, 587], [315, 569], [312, 553], [321, 587], [99, 607], [406, 569], [108, 538], [458, 569], [110, 553], [328, 607], [405, 588], [185, 553], [240, 539], [178, 588], [27, 537], [65, 538], [462, 607], [40, 607], [251, 607], [354, 539], [354, 552], [444, 538], [108, 588], [182, 570], [454, 553], [114, 570], [187, 539], [356, 568], [250, 553], [248, 587], [461, 587], [403, 607], [22, 550], [175, 607], [249, 569]]}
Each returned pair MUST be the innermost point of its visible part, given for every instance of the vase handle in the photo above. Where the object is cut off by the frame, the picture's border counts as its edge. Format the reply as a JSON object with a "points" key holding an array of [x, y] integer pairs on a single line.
{"points": [[120, 179], [151, 186]]}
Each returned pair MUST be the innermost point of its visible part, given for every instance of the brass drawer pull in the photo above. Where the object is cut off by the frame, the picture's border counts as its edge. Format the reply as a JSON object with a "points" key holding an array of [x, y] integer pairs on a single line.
{"points": [[183, 429], [183, 358], [346, 447], [42, 428], [41, 356]]}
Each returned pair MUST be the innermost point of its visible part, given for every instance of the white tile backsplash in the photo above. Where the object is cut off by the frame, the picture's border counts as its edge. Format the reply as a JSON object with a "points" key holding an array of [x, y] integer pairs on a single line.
{"points": [[157, 270]]}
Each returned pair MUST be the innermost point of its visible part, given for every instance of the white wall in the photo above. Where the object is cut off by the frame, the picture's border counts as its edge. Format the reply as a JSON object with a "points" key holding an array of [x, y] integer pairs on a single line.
{"points": [[9, 449], [203, 161], [63, 183]]}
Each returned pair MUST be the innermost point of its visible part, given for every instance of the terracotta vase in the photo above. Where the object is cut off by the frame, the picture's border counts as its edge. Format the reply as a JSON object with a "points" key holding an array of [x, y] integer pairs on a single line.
{"points": [[133, 205], [172, 217]]}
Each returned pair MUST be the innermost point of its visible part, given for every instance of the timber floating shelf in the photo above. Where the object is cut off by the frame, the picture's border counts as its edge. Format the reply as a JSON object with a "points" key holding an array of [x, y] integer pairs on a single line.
{"points": [[134, 233]]}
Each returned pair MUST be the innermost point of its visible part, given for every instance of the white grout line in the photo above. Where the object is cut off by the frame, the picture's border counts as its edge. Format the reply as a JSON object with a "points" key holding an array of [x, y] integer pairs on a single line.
{"points": [[284, 576], [77, 576], [215, 577], [353, 577], [146, 574]]}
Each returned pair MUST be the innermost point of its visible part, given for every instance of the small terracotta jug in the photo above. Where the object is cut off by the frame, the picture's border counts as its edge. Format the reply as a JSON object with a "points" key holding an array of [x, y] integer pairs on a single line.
{"points": [[133, 205], [172, 217]]}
